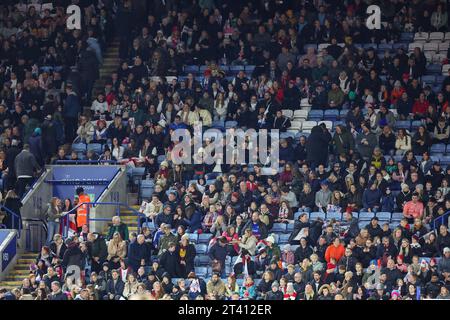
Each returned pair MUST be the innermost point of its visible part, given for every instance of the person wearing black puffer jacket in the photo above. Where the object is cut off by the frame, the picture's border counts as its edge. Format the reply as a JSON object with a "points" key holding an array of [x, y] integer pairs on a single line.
{"points": [[73, 255], [274, 294]]}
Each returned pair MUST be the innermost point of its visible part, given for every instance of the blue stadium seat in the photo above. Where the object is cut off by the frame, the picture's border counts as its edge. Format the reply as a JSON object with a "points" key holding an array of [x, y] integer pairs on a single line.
{"points": [[161, 158], [237, 68], [230, 124], [343, 114], [397, 216], [315, 115], [445, 160], [240, 282], [283, 239], [95, 147], [403, 124], [204, 237], [362, 224], [416, 124], [383, 216], [332, 114], [434, 69], [296, 215], [385, 46], [397, 46], [406, 36], [366, 216], [249, 69], [191, 69], [334, 215], [201, 248], [79, 147], [315, 215], [201, 272], [368, 46], [202, 260], [429, 79], [438, 148], [193, 237], [289, 227], [279, 228]]}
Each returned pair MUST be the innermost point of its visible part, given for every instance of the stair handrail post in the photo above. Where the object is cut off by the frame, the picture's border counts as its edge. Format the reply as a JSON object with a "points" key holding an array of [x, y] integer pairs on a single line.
{"points": [[440, 218], [14, 217]]}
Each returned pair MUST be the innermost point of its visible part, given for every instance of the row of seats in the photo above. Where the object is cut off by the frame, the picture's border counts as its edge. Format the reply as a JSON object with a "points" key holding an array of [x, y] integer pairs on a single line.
{"points": [[362, 216], [431, 36]]}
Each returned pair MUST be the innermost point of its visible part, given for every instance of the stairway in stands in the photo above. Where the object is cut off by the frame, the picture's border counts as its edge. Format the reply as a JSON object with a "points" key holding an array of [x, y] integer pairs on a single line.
{"points": [[111, 63], [20, 271]]}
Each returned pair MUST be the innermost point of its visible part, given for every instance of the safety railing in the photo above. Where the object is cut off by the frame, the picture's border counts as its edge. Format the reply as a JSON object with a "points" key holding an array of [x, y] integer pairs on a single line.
{"points": [[440, 220], [36, 181], [16, 222], [86, 162], [89, 205]]}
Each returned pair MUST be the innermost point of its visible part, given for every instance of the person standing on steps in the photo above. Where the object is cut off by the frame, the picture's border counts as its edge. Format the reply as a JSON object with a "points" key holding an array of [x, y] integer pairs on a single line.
{"points": [[82, 210], [26, 166]]}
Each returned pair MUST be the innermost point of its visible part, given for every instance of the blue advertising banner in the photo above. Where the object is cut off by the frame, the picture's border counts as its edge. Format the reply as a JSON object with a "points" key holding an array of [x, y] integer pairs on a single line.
{"points": [[9, 252], [94, 180]]}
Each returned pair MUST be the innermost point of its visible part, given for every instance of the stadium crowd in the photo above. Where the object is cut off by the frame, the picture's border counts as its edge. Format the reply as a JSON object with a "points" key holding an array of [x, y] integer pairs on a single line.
{"points": [[324, 227]]}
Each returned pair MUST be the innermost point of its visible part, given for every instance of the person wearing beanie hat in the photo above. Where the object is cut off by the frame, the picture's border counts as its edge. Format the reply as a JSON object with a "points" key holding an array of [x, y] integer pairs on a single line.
{"points": [[395, 295], [274, 293]]}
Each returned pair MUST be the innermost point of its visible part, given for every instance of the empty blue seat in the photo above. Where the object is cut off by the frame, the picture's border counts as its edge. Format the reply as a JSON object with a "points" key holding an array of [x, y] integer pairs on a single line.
{"points": [[366, 216], [384, 216], [445, 160], [315, 115], [440, 79], [237, 68], [315, 215], [397, 216], [284, 238], [434, 69], [95, 147], [403, 124], [368, 46], [230, 124], [416, 124], [201, 272], [202, 260], [192, 68], [429, 79], [240, 282], [193, 237], [407, 36], [201, 248], [397, 46], [79, 147], [362, 224], [385, 46], [438, 148], [290, 227], [204, 237], [334, 215], [279, 227], [249, 68], [331, 114]]}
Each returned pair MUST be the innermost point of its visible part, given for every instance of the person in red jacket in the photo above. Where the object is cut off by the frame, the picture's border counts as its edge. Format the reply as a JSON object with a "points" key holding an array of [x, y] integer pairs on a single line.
{"points": [[335, 250], [420, 107]]}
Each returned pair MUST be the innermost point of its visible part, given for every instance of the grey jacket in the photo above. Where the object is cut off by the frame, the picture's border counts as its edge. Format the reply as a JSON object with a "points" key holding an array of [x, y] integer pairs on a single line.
{"points": [[25, 164]]}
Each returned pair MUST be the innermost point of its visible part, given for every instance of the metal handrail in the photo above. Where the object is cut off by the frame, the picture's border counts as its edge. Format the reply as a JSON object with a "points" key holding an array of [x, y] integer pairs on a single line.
{"points": [[86, 162], [65, 215], [35, 183], [15, 216], [441, 218]]}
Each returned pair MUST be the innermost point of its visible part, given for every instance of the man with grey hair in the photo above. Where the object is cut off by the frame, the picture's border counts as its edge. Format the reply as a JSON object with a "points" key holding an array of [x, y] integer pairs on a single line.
{"points": [[118, 226]]}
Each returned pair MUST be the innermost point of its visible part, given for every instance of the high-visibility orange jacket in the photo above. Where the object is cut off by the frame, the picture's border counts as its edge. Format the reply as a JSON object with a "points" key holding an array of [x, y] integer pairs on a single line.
{"points": [[82, 210]]}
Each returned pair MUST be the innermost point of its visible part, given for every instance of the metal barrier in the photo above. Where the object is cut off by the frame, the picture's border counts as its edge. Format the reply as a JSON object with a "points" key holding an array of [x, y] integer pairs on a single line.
{"points": [[440, 219], [65, 218], [86, 162], [14, 217]]}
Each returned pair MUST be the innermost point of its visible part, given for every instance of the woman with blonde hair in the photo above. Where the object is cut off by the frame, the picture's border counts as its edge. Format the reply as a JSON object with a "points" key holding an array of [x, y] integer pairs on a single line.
{"points": [[117, 250], [53, 215], [220, 107], [131, 286]]}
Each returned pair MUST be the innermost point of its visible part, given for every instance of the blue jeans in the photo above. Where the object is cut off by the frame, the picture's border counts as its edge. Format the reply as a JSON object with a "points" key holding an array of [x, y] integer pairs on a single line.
{"points": [[52, 229]]}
